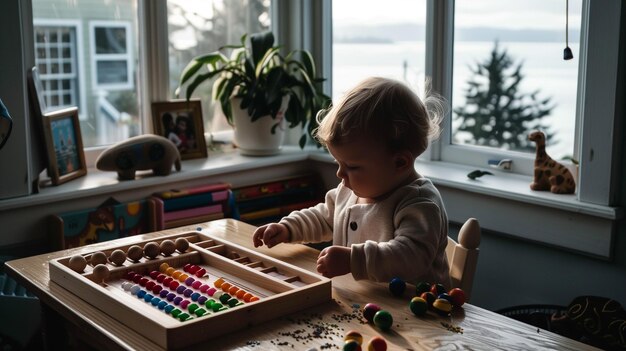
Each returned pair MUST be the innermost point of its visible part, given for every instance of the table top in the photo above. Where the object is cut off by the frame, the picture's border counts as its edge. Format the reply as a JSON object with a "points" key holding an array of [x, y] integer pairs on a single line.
{"points": [[321, 327]]}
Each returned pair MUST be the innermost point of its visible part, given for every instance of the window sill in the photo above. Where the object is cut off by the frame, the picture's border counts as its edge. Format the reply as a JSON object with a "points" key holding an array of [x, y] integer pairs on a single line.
{"points": [[503, 203]]}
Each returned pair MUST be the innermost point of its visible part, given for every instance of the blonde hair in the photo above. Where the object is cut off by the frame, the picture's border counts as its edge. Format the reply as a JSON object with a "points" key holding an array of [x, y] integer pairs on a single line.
{"points": [[383, 109]]}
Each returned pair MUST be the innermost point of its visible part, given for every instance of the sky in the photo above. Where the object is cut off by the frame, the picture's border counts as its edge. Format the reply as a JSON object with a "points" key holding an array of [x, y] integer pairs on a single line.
{"points": [[526, 14]]}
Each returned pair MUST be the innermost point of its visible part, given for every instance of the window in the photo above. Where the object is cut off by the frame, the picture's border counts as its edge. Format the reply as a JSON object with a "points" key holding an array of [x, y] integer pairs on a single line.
{"points": [[111, 55], [196, 28], [509, 78], [91, 64], [56, 58], [371, 38]]}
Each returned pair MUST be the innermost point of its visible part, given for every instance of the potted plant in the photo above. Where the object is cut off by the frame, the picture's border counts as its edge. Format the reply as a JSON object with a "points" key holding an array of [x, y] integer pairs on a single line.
{"points": [[256, 85]]}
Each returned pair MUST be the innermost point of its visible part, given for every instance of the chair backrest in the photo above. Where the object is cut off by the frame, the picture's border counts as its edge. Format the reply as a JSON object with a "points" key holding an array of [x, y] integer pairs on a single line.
{"points": [[463, 256]]}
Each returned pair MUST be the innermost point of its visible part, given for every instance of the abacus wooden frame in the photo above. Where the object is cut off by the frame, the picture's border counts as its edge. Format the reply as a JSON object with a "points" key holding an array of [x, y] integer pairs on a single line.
{"points": [[169, 332]]}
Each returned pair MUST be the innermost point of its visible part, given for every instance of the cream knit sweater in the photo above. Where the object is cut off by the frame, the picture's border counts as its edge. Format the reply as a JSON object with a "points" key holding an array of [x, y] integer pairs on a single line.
{"points": [[404, 235]]}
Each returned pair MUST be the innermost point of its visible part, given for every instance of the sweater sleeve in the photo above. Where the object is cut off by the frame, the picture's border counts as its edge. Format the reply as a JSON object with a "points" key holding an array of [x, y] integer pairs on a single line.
{"points": [[412, 252], [313, 224]]}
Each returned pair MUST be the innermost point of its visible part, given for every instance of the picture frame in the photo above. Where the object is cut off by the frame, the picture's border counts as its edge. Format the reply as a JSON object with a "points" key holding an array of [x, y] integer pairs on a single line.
{"points": [[181, 122], [64, 145]]}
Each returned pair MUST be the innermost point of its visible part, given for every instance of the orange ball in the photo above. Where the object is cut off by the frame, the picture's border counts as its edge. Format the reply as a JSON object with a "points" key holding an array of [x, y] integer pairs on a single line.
{"points": [[225, 286], [233, 290], [218, 283]]}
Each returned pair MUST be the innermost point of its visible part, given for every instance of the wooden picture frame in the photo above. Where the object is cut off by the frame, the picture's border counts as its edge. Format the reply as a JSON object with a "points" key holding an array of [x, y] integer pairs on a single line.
{"points": [[168, 117], [64, 144]]}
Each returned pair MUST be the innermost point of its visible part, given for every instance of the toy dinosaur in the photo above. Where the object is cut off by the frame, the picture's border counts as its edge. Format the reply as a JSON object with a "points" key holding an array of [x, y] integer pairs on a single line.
{"points": [[549, 174]]}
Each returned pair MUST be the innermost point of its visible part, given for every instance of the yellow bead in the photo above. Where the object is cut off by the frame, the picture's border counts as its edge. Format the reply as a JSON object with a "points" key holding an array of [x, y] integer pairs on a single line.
{"points": [[163, 267]]}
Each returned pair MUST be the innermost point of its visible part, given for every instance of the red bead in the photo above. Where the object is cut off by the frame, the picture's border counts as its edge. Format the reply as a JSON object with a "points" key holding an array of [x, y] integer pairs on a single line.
{"points": [[129, 275], [160, 278], [143, 281], [154, 274], [167, 281], [196, 284], [157, 288], [150, 285], [201, 272], [203, 288], [193, 269], [184, 303], [137, 278], [187, 267], [174, 284]]}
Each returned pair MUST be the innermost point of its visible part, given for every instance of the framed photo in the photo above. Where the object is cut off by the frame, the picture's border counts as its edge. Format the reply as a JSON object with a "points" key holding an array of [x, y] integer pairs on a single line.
{"points": [[181, 122], [66, 159]]}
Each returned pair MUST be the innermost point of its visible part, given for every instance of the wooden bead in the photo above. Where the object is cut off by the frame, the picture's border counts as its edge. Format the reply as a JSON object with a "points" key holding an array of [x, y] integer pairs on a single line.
{"points": [[77, 263], [152, 249], [100, 273], [135, 253], [98, 258], [182, 245], [167, 247], [117, 257]]}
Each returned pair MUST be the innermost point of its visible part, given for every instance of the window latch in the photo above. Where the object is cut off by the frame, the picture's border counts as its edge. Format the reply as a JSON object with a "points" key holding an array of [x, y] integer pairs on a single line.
{"points": [[504, 164]]}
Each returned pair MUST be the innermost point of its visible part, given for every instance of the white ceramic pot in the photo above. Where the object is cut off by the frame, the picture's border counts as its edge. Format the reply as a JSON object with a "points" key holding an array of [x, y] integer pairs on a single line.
{"points": [[256, 138]]}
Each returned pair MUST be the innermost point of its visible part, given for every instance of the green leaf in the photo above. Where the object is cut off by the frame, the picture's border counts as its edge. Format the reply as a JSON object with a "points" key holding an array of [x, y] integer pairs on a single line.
{"points": [[260, 43], [200, 78], [266, 61]]}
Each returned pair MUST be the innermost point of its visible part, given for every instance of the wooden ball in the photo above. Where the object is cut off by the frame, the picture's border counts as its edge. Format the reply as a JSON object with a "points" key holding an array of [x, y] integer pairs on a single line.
{"points": [[135, 253], [98, 258], [182, 245], [118, 257], [100, 273], [167, 247], [77, 263], [152, 249]]}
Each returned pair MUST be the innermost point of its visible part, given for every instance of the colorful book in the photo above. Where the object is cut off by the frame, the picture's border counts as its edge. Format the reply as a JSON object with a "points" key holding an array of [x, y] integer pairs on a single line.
{"points": [[194, 200], [175, 193], [191, 212], [279, 186], [293, 196], [111, 220], [193, 220], [157, 212]]}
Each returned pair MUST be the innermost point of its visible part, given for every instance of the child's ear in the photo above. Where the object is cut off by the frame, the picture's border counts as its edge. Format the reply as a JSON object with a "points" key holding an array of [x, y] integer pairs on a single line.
{"points": [[403, 160]]}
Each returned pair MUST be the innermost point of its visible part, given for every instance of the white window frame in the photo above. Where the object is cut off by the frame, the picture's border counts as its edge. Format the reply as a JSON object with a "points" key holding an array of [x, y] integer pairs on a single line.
{"points": [[95, 57], [78, 26], [596, 101]]}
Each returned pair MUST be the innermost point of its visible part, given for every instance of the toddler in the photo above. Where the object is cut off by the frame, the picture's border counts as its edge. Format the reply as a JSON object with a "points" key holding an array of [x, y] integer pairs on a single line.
{"points": [[385, 220]]}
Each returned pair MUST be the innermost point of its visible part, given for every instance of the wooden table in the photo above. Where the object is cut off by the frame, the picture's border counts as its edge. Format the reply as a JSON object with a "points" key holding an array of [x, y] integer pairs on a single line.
{"points": [[321, 327]]}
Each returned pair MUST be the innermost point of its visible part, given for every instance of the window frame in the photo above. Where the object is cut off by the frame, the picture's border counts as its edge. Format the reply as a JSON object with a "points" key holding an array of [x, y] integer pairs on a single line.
{"points": [[596, 102], [96, 58], [80, 78]]}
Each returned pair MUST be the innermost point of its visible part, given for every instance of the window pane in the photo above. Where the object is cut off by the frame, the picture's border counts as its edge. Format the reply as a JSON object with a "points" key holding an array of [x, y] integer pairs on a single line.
{"points": [[199, 27], [371, 38], [112, 72], [510, 76], [110, 40], [74, 41]]}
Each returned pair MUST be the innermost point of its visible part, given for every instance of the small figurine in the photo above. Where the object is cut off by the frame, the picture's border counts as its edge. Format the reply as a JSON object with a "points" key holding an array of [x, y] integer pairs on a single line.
{"points": [[140, 153], [549, 174]]}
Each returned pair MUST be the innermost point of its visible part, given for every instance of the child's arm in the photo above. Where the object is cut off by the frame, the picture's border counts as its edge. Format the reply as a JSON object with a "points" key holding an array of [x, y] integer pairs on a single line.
{"points": [[271, 235], [334, 261]]}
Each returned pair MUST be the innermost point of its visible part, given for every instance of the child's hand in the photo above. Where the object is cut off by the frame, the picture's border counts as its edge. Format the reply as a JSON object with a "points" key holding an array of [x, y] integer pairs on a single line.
{"points": [[334, 261], [271, 234]]}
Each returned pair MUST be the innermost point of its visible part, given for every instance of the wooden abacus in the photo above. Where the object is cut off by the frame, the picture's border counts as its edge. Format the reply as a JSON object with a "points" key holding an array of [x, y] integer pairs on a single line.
{"points": [[193, 294]]}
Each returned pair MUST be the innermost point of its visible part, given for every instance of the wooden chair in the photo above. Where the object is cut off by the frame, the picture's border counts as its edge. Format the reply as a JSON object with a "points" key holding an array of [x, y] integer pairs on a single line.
{"points": [[463, 256]]}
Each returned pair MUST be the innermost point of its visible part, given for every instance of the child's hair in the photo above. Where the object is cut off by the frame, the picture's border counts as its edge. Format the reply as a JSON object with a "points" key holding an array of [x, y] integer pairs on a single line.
{"points": [[383, 109]]}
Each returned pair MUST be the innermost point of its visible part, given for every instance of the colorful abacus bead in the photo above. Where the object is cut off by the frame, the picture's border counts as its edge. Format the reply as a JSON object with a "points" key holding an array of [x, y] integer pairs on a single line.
{"points": [[155, 301], [170, 296], [163, 293], [162, 304], [233, 290], [202, 299], [218, 283], [181, 289], [210, 291], [193, 269], [176, 274], [187, 292], [192, 307], [154, 274], [157, 288], [186, 267], [200, 273], [163, 267], [168, 309], [184, 303], [167, 281], [225, 286], [143, 281], [150, 284], [197, 284], [161, 277], [189, 281], [195, 296], [203, 288], [135, 289], [174, 284], [177, 300], [182, 277], [200, 312], [141, 293], [169, 271]]}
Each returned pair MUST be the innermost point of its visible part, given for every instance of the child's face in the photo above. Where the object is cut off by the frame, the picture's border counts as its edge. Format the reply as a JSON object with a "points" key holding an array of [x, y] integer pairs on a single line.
{"points": [[367, 168]]}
